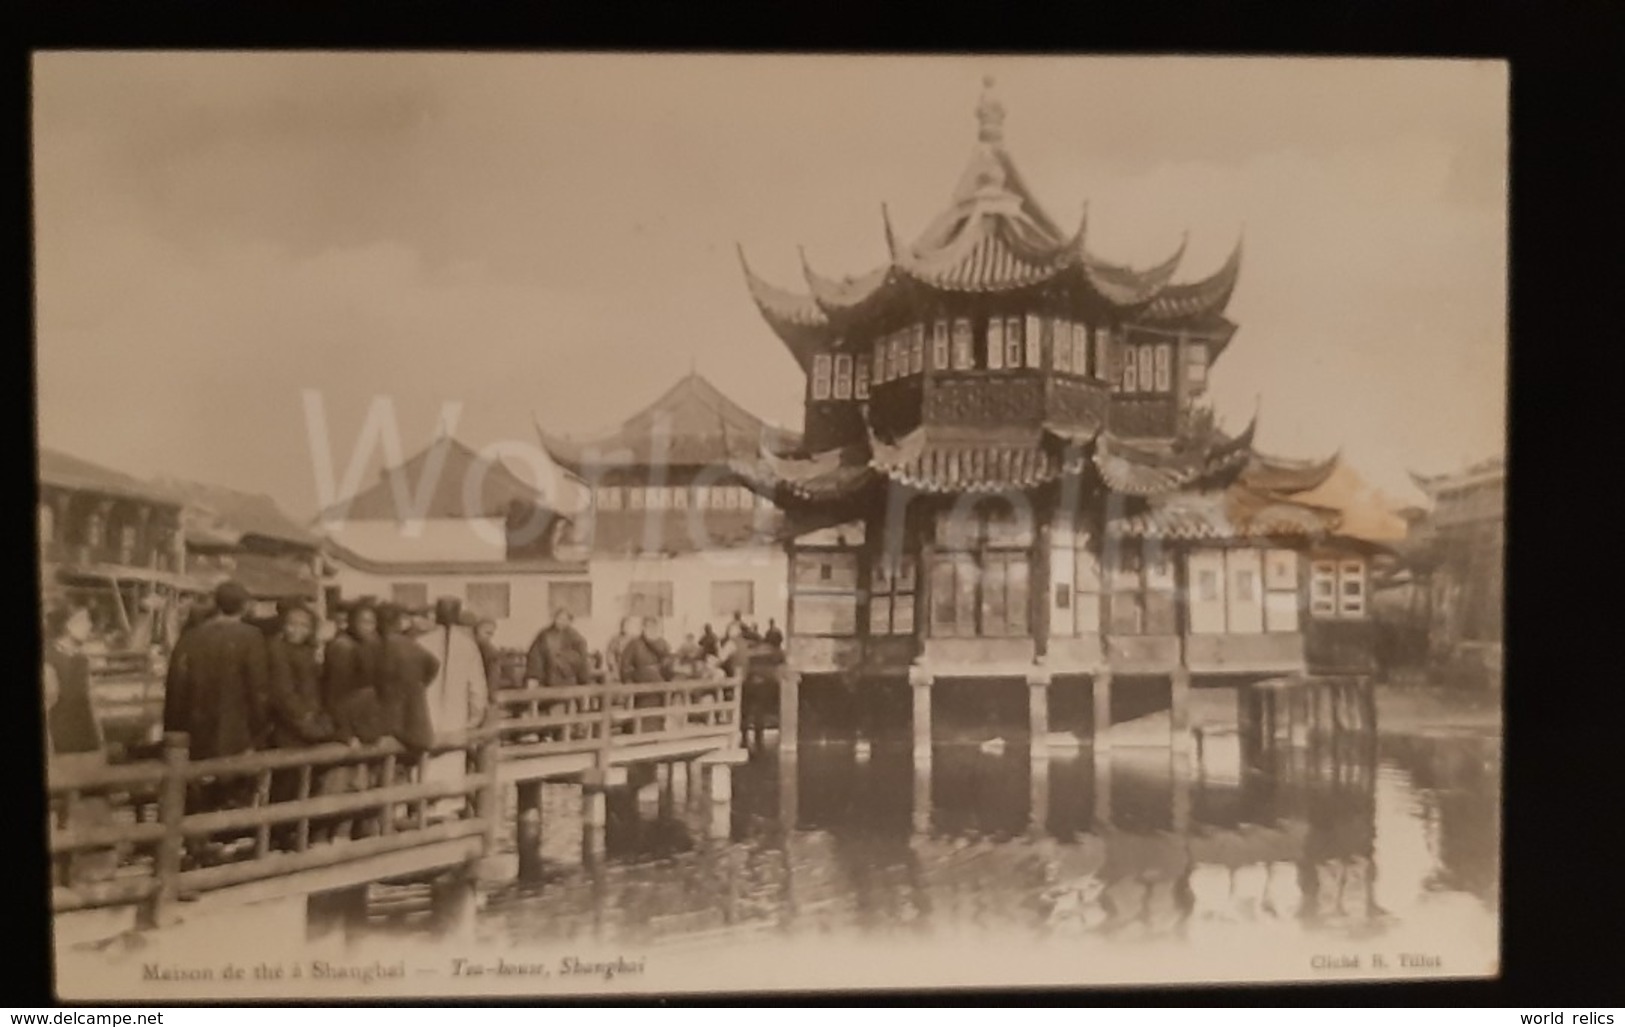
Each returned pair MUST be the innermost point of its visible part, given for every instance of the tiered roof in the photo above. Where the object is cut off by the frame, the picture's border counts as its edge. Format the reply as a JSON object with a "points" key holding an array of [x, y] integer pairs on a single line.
{"points": [[993, 237], [692, 424]]}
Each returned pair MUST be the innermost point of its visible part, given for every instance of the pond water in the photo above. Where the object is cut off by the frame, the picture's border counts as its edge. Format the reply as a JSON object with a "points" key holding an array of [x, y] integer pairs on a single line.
{"points": [[1380, 845]]}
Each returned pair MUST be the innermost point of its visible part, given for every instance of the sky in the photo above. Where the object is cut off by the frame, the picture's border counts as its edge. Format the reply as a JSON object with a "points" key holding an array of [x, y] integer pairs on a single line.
{"points": [[226, 243]]}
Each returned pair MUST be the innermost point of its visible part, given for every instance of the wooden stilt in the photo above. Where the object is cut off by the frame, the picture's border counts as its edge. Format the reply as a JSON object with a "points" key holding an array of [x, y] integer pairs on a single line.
{"points": [[1179, 711], [920, 681], [789, 709], [1102, 725], [528, 809], [1038, 684]]}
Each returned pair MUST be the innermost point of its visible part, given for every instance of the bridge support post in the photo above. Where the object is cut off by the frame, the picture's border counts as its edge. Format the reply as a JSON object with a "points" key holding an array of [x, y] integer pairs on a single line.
{"points": [[789, 708], [718, 769], [529, 830], [1038, 684], [594, 810], [920, 680], [1179, 711], [1102, 724], [455, 904], [1038, 797], [1103, 789]]}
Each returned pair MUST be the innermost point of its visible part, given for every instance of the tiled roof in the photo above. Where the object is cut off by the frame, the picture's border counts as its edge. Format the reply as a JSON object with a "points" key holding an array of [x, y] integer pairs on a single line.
{"points": [[820, 477], [993, 236], [693, 424], [450, 498], [216, 515], [1276, 474], [1232, 513], [69, 472], [933, 465], [1192, 301], [1140, 471]]}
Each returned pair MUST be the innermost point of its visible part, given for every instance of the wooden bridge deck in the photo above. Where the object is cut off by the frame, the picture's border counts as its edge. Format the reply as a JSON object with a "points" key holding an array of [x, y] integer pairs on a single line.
{"points": [[122, 837]]}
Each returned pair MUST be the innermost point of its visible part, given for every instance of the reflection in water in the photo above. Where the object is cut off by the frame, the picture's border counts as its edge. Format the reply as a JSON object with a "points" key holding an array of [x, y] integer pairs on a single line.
{"points": [[1141, 845]]}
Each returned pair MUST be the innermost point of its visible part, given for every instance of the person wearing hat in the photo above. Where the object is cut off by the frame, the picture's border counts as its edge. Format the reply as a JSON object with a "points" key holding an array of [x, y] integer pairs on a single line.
{"points": [[217, 690]]}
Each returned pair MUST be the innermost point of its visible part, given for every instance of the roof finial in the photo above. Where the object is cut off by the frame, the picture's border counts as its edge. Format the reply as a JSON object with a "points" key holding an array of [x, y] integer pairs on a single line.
{"points": [[989, 114]]}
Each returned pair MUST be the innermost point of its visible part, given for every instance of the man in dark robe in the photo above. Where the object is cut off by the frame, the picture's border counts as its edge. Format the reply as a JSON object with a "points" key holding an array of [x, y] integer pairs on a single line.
{"points": [[294, 703], [558, 656], [405, 673], [351, 669], [219, 679]]}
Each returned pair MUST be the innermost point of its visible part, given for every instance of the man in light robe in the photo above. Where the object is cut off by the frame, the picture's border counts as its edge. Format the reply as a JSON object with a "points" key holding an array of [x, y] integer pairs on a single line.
{"points": [[458, 695]]}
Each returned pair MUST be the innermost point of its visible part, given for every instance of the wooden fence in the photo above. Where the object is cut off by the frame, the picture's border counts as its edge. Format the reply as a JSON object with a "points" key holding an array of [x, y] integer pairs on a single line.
{"points": [[157, 831]]}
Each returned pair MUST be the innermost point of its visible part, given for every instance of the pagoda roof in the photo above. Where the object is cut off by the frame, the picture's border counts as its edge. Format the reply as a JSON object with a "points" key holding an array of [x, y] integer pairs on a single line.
{"points": [[691, 424], [450, 497], [994, 236], [1145, 470], [1229, 513], [954, 461], [928, 461]]}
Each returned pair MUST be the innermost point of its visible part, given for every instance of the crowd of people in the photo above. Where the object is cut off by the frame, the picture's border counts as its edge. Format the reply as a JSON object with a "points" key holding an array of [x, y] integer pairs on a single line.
{"points": [[420, 675]]}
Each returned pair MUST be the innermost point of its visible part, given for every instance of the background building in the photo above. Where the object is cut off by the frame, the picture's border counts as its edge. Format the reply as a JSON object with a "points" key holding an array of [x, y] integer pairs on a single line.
{"points": [[248, 538], [671, 529], [1459, 553], [453, 522]]}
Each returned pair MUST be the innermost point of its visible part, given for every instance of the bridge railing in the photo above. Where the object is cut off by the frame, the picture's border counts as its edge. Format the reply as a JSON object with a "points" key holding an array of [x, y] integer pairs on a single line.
{"points": [[565, 719], [153, 832], [156, 831]]}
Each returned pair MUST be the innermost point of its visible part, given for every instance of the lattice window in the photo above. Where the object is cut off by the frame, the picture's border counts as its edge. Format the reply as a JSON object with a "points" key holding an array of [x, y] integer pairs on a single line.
{"points": [[821, 376]]}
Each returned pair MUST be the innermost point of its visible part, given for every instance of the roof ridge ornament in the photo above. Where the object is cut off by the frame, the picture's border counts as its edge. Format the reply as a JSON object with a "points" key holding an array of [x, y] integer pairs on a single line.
{"points": [[989, 114]]}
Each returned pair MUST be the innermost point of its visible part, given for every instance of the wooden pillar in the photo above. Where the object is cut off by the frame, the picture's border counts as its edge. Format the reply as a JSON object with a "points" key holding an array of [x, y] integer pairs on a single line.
{"points": [[1179, 711], [455, 903], [919, 679], [594, 812], [1038, 686], [718, 770], [922, 798], [528, 831], [789, 708], [1102, 689], [172, 815], [1039, 578], [1103, 790], [1246, 722], [1181, 772], [1179, 681], [789, 790], [1038, 798]]}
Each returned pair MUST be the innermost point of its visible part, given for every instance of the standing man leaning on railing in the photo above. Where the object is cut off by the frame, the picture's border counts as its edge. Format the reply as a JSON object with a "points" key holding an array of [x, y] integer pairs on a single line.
{"points": [[557, 658], [74, 736], [217, 693]]}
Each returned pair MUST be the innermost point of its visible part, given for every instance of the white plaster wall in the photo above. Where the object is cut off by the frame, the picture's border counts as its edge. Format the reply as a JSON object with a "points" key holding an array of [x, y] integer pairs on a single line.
{"points": [[444, 539]]}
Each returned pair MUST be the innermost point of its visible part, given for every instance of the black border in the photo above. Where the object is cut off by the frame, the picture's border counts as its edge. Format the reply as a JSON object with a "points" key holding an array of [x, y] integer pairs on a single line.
{"points": [[1565, 851]]}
